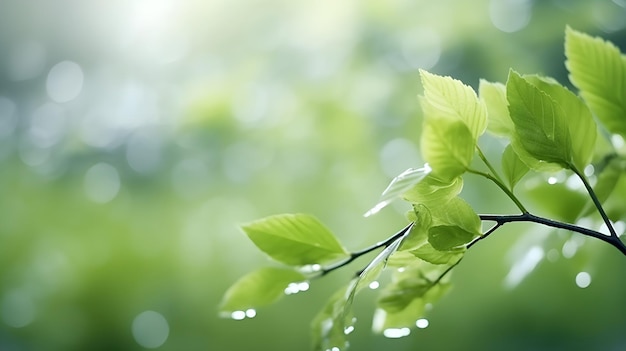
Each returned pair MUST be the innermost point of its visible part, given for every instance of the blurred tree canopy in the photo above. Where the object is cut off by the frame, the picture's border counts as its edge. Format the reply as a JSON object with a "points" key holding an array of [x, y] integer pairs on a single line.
{"points": [[136, 135]]}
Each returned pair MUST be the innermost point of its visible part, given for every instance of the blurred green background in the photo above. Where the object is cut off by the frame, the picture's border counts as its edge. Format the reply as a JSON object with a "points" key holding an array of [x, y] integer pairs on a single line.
{"points": [[135, 135]]}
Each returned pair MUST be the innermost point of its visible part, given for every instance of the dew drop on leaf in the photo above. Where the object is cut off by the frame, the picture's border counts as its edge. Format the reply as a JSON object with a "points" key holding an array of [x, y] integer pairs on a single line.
{"points": [[251, 313], [394, 333], [374, 285], [422, 323], [238, 315], [583, 280]]}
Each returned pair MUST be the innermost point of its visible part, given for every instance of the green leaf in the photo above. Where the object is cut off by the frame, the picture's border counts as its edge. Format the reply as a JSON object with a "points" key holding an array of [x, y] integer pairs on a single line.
{"points": [[328, 328], [447, 98], [418, 234], [494, 97], [404, 300], [456, 212], [539, 122], [335, 321], [295, 239], [431, 255], [398, 186], [514, 168], [259, 288], [582, 127], [385, 321], [531, 161], [448, 237], [433, 190], [598, 69], [448, 147]]}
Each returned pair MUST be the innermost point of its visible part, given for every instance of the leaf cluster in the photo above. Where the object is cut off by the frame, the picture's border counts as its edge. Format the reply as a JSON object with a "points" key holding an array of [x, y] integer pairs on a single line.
{"points": [[544, 126]]}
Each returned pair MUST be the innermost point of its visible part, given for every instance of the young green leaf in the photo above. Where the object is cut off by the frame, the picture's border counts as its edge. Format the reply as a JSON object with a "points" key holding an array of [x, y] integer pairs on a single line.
{"points": [[431, 255], [432, 191], [328, 328], [598, 69], [494, 97], [295, 239], [398, 186], [448, 147], [258, 288], [335, 321], [448, 237], [404, 301], [582, 127], [399, 323], [456, 212], [532, 162], [418, 234], [447, 98], [540, 122], [514, 168]]}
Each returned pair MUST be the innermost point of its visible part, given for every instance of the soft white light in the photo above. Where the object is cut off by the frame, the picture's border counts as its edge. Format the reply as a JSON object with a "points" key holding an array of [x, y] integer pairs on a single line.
{"points": [[422, 323], [395, 333], [583, 279], [102, 183], [524, 266], [65, 81], [510, 15], [150, 329], [238, 315], [374, 285], [251, 313]]}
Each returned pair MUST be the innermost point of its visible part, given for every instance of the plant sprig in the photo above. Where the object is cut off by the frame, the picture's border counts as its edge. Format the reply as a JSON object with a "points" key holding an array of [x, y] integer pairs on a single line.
{"points": [[547, 128]]}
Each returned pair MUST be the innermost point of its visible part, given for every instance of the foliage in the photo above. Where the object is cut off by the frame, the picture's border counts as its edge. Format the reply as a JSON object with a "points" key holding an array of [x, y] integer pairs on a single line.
{"points": [[544, 128]]}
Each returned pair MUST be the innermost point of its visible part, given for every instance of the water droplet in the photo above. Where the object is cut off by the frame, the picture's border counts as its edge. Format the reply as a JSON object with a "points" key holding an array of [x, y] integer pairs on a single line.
{"points": [[374, 285], [294, 288], [150, 329], [238, 315], [251, 313], [422, 323], [310, 268], [583, 280], [348, 330], [394, 333], [552, 180]]}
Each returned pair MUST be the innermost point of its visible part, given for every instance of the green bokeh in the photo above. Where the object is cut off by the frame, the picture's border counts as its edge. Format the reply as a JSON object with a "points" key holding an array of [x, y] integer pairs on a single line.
{"points": [[193, 117]]}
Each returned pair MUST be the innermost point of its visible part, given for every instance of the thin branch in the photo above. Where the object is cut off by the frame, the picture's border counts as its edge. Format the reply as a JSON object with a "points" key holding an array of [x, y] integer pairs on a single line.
{"points": [[488, 164], [357, 254], [503, 187], [527, 217], [596, 202], [487, 233]]}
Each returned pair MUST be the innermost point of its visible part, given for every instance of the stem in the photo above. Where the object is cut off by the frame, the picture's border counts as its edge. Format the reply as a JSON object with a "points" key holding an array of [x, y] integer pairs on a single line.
{"points": [[527, 217], [501, 185], [357, 254], [596, 201], [488, 164]]}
